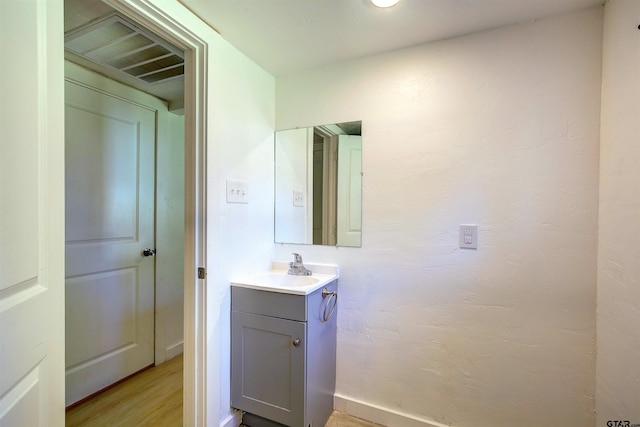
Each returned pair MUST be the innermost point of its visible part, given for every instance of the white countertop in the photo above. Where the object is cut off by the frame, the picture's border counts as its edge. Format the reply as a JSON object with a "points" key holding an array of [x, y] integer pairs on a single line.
{"points": [[277, 279]]}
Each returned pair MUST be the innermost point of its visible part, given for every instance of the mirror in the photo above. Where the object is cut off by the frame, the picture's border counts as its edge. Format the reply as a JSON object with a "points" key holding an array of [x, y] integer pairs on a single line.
{"points": [[318, 185]]}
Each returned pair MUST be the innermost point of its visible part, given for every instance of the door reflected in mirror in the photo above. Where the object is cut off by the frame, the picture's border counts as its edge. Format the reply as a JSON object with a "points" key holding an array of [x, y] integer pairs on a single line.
{"points": [[318, 185]]}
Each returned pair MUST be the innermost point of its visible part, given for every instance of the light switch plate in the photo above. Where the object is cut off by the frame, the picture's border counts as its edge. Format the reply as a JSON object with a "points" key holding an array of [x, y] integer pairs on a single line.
{"points": [[468, 236], [237, 192], [298, 198]]}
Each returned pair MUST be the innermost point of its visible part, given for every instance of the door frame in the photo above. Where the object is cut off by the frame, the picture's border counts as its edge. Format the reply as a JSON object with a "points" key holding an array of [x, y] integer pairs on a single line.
{"points": [[196, 48]]}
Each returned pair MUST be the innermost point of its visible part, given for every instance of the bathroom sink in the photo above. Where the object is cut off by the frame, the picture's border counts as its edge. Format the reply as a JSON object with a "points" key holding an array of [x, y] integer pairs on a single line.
{"points": [[277, 279], [282, 279]]}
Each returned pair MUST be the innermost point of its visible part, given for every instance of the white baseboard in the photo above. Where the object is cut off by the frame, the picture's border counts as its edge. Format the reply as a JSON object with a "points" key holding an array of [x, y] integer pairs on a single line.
{"points": [[174, 350], [233, 420], [380, 415]]}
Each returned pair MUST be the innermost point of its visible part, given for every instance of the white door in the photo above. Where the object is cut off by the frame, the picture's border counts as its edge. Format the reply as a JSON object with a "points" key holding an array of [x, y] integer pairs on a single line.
{"points": [[349, 221], [31, 214], [110, 179]]}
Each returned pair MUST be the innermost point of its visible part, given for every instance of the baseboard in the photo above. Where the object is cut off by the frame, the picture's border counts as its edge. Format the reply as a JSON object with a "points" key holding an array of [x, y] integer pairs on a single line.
{"points": [[233, 420], [380, 415], [174, 350]]}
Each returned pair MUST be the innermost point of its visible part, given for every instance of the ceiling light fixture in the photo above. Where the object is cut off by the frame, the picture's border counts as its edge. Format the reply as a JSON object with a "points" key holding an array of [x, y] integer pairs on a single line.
{"points": [[384, 3]]}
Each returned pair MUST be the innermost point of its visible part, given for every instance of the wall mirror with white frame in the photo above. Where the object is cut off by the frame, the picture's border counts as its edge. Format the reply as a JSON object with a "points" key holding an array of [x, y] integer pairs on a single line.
{"points": [[318, 185]]}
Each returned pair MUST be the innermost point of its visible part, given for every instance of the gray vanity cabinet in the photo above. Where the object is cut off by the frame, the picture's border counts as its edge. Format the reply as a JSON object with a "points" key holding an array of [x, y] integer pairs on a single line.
{"points": [[282, 357]]}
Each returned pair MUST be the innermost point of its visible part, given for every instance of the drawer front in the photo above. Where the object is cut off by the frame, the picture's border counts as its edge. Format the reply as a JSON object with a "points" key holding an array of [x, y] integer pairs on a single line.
{"points": [[284, 306]]}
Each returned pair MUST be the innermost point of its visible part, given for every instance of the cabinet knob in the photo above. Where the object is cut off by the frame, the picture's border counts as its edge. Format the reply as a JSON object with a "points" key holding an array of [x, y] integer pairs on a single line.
{"points": [[296, 343]]}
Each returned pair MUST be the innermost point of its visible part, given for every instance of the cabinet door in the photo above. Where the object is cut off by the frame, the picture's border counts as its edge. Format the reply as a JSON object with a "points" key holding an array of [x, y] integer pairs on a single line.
{"points": [[268, 372]]}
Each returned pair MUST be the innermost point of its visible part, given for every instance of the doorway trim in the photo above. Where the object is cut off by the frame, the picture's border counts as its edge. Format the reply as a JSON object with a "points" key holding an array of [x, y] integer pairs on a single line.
{"points": [[166, 25]]}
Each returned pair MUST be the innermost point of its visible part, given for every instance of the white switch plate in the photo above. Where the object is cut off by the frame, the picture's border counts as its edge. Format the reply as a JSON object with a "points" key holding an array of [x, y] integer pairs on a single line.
{"points": [[237, 192], [298, 198], [468, 236]]}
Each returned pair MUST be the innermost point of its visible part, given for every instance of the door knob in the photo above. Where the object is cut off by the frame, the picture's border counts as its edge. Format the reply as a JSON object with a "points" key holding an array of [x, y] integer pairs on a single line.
{"points": [[296, 343], [149, 252]]}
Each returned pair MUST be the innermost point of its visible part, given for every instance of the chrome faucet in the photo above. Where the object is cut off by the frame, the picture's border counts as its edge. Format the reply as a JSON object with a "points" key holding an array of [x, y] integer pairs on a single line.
{"points": [[297, 268]]}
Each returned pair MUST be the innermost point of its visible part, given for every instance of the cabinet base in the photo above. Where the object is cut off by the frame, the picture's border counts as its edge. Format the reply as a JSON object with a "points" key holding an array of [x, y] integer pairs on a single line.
{"points": [[251, 420]]}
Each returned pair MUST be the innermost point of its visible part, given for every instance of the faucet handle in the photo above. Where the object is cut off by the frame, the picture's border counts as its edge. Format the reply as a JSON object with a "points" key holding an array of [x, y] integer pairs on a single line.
{"points": [[297, 257]]}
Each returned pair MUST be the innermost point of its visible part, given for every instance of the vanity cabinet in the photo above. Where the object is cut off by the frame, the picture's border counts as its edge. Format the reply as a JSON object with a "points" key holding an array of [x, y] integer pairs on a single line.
{"points": [[283, 356]]}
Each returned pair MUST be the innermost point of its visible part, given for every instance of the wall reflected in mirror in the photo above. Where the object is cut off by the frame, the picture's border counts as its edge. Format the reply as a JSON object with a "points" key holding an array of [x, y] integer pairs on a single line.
{"points": [[318, 185]]}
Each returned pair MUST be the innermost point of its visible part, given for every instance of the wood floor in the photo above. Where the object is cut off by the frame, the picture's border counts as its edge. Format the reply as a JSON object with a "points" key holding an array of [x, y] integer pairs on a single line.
{"points": [[150, 398], [154, 398], [338, 419]]}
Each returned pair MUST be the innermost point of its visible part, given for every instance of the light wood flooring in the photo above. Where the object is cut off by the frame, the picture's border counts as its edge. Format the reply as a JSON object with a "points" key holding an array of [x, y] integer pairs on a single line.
{"points": [[154, 398], [150, 398], [338, 419]]}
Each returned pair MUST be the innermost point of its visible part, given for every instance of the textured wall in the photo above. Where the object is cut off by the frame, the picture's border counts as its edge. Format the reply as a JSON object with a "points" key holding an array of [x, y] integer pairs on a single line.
{"points": [[618, 370], [239, 236], [500, 129]]}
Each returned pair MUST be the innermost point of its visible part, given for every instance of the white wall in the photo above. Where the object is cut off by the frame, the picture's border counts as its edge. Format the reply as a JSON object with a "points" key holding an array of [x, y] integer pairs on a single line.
{"points": [[500, 129], [241, 120], [618, 370]]}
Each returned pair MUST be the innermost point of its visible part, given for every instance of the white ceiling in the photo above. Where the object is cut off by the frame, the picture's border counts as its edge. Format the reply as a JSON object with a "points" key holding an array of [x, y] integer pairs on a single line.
{"points": [[285, 36]]}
